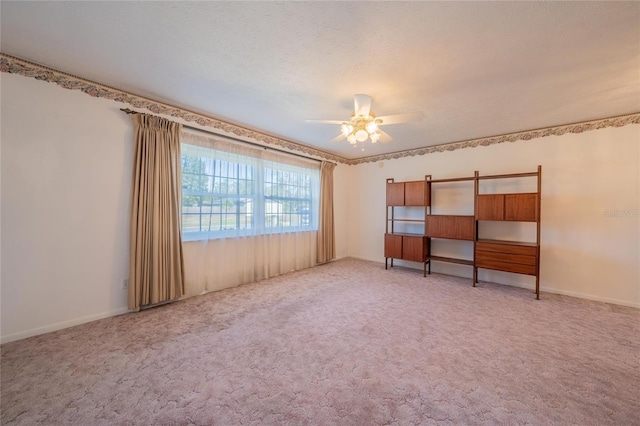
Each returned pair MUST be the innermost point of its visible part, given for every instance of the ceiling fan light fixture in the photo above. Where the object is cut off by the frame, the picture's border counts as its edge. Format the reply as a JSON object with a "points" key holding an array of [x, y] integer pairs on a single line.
{"points": [[346, 129], [364, 124], [361, 135], [372, 127]]}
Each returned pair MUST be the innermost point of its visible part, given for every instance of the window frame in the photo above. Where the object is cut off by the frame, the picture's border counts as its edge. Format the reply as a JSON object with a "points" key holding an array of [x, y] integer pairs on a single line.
{"points": [[257, 195]]}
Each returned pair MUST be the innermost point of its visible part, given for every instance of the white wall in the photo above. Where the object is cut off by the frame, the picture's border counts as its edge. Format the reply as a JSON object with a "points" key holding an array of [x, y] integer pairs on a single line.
{"points": [[66, 171], [584, 252], [65, 184]]}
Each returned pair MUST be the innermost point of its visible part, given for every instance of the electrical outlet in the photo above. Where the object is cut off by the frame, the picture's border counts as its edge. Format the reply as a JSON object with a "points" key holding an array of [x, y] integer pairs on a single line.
{"points": [[125, 284]]}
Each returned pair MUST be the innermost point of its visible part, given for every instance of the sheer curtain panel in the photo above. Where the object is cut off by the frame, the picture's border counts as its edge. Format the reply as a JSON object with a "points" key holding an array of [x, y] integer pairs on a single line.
{"points": [[326, 230], [247, 213], [156, 262]]}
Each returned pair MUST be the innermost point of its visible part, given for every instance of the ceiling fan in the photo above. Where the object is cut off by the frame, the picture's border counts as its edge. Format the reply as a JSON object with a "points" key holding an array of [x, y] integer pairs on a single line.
{"points": [[364, 125]]}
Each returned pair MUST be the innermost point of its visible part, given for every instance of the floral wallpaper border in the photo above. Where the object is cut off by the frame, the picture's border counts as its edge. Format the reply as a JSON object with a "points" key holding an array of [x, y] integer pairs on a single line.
{"points": [[13, 65], [581, 127]]}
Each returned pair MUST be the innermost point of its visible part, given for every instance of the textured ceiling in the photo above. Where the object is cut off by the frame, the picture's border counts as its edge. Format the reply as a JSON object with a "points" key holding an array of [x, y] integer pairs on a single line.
{"points": [[475, 69]]}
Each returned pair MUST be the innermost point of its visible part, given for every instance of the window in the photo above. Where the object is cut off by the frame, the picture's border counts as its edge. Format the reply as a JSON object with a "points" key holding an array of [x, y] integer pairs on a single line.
{"points": [[216, 194], [231, 190], [287, 198]]}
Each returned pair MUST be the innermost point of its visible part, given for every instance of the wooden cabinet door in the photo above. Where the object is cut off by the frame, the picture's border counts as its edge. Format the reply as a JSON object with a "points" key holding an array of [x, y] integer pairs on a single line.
{"points": [[395, 194], [490, 207], [451, 227], [393, 246], [414, 193], [414, 248], [520, 207]]}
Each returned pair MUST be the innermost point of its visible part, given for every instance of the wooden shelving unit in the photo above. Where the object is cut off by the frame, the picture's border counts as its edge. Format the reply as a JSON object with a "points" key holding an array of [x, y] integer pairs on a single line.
{"points": [[403, 245], [508, 256], [449, 227]]}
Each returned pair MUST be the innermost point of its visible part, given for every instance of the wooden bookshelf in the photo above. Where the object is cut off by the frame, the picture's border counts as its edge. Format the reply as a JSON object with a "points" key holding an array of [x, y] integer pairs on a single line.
{"points": [[509, 256]]}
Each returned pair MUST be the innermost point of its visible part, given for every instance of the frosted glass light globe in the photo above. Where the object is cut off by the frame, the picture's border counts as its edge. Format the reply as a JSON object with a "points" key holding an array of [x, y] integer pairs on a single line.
{"points": [[361, 135]]}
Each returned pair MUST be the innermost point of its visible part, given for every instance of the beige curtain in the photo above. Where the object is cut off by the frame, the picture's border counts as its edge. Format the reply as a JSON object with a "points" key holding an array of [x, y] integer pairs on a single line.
{"points": [[156, 271], [212, 265], [326, 232], [213, 262]]}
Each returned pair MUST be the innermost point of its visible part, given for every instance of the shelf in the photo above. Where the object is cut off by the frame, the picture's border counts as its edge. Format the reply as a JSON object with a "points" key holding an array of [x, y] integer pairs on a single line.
{"points": [[405, 234], [462, 179], [451, 260], [406, 220], [511, 243], [511, 193], [509, 176]]}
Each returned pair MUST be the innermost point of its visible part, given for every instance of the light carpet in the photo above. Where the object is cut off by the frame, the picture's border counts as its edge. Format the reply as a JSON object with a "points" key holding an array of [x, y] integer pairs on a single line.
{"points": [[344, 343]]}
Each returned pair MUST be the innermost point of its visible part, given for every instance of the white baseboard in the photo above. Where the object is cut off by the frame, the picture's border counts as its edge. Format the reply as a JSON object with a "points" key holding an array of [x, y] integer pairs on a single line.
{"points": [[377, 260], [590, 297], [544, 289], [341, 257], [60, 325]]}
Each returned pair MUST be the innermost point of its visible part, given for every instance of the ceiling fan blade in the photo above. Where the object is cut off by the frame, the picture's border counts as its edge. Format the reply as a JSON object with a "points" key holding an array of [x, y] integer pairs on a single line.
{"points": [[401, 118], [338, 138], [384, 137], [362, 105], [325, 121]]}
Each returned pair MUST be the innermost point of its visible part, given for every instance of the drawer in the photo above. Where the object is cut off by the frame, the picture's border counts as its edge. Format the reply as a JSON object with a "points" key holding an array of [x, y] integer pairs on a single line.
{"points": [[507, 248], [506, 266], [505, 257]]}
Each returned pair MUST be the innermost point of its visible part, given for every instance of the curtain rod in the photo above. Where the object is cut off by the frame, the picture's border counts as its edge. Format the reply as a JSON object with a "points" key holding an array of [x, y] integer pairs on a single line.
{"points": [[130, 111]]}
